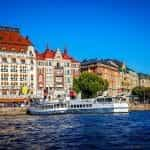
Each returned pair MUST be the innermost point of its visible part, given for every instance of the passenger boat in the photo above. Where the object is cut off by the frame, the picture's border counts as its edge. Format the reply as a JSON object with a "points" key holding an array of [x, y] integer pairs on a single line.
{"points": [[97, 105]]}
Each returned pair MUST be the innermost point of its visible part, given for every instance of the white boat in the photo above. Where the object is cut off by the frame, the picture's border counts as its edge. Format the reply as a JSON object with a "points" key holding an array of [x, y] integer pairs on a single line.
{"points": [[97, 105]]}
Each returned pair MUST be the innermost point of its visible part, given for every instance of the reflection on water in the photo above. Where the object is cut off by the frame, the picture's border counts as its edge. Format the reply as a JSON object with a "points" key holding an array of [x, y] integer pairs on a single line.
{"points": [[109, 131]]}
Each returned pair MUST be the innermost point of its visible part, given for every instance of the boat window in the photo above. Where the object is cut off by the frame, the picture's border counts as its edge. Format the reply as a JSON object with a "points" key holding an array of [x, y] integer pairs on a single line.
{"points": [[71, 106], [100, 99], [80, 106], [74, 106], [50, 106], [108, 100], [57, 105], [87, 105], [90, 105], [83, 105], [62, 105], [77, 106]]}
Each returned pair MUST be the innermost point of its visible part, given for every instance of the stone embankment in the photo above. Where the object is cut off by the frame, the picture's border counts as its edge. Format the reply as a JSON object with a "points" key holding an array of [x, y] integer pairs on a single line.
{"points": [[136, 107], [13, 111]]}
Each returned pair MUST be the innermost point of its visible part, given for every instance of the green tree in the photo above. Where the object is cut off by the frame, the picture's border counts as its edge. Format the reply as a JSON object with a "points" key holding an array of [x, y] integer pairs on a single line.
{"points": [[143, 93], [89, 84], [76, 85]]}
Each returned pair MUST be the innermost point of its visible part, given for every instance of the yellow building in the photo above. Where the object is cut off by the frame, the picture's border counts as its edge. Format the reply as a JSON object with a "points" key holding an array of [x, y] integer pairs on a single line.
{"points": [[107, 70], [144, 80]]}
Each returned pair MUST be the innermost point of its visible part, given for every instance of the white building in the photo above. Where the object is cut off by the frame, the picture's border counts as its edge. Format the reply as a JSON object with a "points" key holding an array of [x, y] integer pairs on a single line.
{"points": [[17, 63]]}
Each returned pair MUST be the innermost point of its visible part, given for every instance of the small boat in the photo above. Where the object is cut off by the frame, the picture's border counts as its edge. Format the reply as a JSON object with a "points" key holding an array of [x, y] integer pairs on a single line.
{"points": [[96, 105]]}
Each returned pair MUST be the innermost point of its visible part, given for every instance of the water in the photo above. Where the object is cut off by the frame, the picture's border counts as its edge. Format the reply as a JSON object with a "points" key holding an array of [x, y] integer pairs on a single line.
{"points": [[73, 132]]}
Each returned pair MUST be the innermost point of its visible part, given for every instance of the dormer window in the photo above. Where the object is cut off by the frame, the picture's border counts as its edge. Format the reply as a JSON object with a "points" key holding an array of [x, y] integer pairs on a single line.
{"points": [[58, 57], [13, 60], [4, 60], [22, 61]]}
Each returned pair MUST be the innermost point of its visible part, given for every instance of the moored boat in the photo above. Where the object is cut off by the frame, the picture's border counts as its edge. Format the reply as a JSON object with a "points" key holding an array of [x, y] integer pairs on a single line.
{"points": [[97, 105]]}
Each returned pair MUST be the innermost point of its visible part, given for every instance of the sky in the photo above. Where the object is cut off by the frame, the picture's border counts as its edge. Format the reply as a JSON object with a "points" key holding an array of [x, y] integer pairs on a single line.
{"points": [[118, 29]]}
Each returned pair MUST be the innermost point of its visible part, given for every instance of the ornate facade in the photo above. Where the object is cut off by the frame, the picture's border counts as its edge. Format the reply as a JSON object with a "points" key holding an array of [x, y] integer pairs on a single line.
{"points": [[55, 73]]}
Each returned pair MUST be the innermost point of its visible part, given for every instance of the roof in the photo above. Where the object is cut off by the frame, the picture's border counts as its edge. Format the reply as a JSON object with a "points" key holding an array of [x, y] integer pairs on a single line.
{"points": [[12, 40], [111, 62], [48, 53], [143, 76]]}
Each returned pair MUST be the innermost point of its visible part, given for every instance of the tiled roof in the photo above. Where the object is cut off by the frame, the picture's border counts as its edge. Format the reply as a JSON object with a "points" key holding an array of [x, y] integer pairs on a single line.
{"points": [[12, 40], [51, 54]]}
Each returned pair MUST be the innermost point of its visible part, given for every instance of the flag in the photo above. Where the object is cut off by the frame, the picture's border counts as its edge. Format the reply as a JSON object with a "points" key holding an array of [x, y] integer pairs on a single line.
{"points": [[24, 90]]}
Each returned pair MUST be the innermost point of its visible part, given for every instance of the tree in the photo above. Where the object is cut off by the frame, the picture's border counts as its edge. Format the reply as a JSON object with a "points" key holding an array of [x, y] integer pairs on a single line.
{"points": [[76, 85], [89, 84], [143, 93]]}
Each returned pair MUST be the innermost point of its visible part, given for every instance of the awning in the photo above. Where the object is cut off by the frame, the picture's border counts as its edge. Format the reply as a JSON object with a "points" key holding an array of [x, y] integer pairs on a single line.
{"points": [[13, 100]]}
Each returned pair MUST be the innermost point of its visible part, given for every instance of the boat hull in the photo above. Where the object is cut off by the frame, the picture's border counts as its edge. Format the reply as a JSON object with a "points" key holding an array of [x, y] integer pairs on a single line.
{"points": [[78, 107], [78, 111]]}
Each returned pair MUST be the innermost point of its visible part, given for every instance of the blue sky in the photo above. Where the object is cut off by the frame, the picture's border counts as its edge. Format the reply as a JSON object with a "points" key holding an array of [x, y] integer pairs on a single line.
{"points": [[88, 28]]}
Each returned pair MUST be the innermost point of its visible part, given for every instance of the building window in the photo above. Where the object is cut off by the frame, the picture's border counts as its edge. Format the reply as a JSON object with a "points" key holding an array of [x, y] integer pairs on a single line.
{"points": [[67, 64], [31, 54], [4, 60], [13, 68], [32, 77], [23, 69], [67, 72], [49, 63], [58, 65], [4, 92], [14, 77], [68, 80], [4, 77], [13, 60], [4, 68], [32, 62], [22, 61]]}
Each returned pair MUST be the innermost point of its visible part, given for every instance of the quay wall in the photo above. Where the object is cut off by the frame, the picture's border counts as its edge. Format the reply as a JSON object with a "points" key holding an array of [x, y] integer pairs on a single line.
{"points": [[136, 107], [13, 111]]}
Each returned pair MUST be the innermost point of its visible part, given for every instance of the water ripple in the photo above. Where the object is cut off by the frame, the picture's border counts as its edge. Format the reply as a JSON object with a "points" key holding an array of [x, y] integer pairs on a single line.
{"points": [[74, 132]]}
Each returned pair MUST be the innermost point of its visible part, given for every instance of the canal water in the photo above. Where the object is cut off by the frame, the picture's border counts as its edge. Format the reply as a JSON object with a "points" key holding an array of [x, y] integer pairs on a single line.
{"points": [[75, 132]]}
